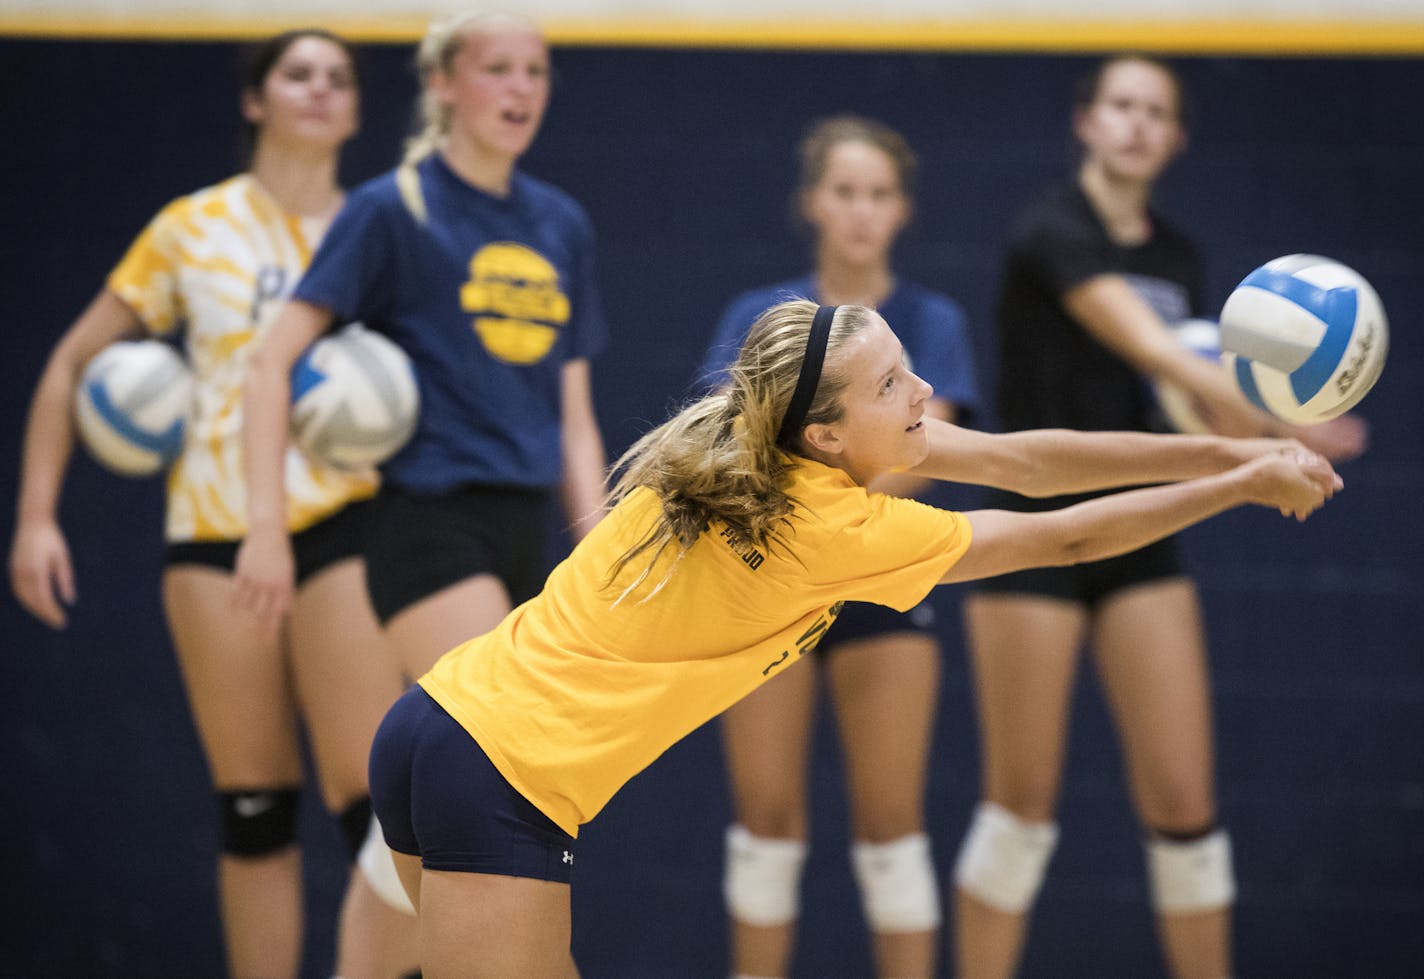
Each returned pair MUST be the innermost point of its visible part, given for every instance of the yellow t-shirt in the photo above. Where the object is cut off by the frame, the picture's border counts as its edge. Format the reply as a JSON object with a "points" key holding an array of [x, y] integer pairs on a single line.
{"points": [[218, 264], [578, 691]]}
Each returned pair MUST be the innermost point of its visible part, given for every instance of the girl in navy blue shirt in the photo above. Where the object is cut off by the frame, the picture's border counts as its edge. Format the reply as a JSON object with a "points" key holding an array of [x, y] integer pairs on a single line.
{"points": [[484, 276], [881, 666]]}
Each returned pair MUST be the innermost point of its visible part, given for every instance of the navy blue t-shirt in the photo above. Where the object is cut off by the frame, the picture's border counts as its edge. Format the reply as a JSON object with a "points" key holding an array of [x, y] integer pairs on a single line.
{"points": [[489, 297], [930, 325]]}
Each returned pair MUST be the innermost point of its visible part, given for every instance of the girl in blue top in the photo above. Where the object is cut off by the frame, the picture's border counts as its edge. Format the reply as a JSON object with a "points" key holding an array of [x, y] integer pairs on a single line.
{"points": [[882, 666], [484, 276]]}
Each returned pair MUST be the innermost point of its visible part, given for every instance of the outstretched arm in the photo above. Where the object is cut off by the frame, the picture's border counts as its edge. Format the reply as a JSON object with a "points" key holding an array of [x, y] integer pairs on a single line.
{"points": [[264, 568], [1051, 462], [1296, 483]]}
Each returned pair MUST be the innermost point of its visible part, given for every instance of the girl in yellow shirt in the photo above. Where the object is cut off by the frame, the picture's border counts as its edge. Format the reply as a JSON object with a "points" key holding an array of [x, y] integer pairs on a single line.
{"points": [[737, 530]]}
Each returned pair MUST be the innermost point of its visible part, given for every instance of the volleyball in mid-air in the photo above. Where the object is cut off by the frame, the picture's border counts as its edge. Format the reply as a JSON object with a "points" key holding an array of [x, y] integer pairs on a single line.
{"points": [[354, 399], [1305, 337], [1202, 337], [132, 403]]}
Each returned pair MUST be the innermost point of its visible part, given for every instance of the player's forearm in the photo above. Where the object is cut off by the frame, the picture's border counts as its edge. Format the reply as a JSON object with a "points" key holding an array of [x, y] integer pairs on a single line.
{"points": [[1050, 462], [1075, 462], [582, 486], [265, 399], [1123, 522], [49, 440], [1004, 541]]}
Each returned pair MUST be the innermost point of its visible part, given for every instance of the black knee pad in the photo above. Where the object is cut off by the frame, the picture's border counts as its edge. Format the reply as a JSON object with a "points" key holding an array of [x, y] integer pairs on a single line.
{"points": [[257, 822], [355, 824], [1183, 835]]}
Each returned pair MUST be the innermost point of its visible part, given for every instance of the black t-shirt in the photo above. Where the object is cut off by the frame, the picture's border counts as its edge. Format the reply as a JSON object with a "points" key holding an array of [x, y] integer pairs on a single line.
{"points": [[1052, 372]]}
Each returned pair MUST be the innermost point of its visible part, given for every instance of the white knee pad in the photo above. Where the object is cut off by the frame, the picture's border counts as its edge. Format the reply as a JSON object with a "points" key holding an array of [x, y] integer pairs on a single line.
{"points": [[762, 884], [1191, 875], [379, 868], [897, 884], [1003, 858]]}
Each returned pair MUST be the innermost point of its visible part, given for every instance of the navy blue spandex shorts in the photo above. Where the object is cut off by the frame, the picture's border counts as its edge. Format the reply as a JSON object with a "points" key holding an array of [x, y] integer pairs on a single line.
{"points": [[439, 797], [860, 621]]}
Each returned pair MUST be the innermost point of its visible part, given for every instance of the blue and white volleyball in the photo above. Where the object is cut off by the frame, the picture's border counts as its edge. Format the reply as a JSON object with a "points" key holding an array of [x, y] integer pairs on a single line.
{"points": [[1203, 338], [1305, 337], [133, 401], [354, 399]]}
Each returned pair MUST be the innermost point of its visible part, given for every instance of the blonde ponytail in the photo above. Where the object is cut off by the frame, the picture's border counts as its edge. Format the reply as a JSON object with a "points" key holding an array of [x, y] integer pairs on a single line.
{"points": [[443, 40], [436, 53], [718, 459]]}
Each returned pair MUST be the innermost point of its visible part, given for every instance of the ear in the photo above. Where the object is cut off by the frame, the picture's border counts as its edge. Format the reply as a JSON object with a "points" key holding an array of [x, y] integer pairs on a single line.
{"points": [[803, 207], [824, 439], [907, 214], [252, 108], [438, 83]]}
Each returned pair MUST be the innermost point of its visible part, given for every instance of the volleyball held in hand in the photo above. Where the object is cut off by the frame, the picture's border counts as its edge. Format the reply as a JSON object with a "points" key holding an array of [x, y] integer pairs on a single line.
{"points": [[1305, 337], [132, 403], [1202, 337], [354, 399]]}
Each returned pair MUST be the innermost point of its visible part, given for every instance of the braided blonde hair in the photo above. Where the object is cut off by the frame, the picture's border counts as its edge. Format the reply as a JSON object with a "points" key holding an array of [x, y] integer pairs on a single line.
{"points": [[443, 40]]}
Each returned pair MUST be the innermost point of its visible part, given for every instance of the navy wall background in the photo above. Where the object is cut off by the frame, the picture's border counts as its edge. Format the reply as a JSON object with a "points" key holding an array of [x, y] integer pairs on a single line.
{"points": [[685, 159]]}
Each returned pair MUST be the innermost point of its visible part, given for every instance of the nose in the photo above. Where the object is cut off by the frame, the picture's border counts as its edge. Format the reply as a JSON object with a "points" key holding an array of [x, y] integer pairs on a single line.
{"points": [[525, 82], [925, 391]]}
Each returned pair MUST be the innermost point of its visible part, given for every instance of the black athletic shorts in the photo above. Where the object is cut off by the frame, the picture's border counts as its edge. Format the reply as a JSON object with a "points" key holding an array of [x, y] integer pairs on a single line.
{"points": [[421, 544], [326, 542], [1086, 584]]}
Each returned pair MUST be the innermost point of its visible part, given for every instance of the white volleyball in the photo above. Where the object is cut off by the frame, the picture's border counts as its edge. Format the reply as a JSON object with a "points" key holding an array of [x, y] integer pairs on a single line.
{"points": [[354, 399], [1305, 338], [132, 404], [1202, 337]]}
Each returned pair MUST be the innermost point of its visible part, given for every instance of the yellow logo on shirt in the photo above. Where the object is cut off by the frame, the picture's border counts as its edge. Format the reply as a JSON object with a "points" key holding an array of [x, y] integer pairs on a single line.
{"points": [[514, 293]]}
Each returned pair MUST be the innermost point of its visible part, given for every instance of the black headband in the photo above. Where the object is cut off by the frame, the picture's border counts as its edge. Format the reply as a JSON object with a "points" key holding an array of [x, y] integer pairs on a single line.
{"points": [[810, 377]]}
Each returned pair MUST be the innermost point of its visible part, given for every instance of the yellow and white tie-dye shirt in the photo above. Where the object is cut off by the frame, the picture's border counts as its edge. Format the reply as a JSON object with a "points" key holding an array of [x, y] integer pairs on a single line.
{"points": [[218, 264]]}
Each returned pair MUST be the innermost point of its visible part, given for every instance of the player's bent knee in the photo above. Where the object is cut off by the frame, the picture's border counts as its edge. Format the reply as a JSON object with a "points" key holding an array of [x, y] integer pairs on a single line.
{"points": [[1191, 875], [1003, 859], [762, 884], [897, 884], [258, 822], [379, 868]]}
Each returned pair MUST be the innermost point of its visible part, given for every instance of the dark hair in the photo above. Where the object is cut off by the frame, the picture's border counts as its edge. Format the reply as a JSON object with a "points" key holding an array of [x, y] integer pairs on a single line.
{"points": [[258, 60], [824, 135], [1085, 90]]}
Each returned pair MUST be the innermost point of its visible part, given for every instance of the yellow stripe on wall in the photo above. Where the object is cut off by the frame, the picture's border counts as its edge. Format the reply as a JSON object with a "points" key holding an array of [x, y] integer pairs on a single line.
{"points": [[1262, 37]]}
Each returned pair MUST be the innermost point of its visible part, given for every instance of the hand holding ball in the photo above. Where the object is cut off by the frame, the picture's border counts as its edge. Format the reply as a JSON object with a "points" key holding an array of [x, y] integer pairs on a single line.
{"points": [[1203, 338], [131, 406], [354, 399]]}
